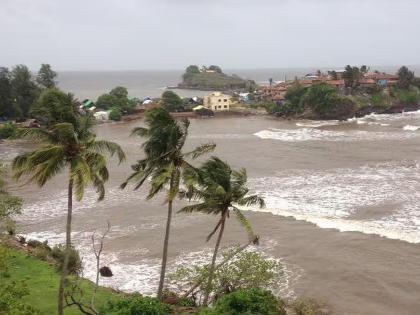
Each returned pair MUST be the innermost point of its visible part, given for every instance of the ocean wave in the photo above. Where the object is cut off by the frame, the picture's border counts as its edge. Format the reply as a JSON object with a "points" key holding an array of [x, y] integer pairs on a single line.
{"points": [[411, 128], [143, 274], [386, 117], [333, 198], [55, 204], [317, 123], [310, 134]]}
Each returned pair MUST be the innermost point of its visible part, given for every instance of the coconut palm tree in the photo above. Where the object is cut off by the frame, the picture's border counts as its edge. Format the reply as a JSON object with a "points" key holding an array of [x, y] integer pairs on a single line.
{"points": [[73, 148], [164, 164], [221, 190]]}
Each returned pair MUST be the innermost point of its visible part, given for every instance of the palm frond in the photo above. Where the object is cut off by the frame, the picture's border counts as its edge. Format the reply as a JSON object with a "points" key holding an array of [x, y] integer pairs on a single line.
{"points": [[98, 183], [244, 222], [81, 174], [109, 147], [201, 150], [140, 131], [251, 201], [37, 134], [160, 178], [200, 207], [175, 182]]}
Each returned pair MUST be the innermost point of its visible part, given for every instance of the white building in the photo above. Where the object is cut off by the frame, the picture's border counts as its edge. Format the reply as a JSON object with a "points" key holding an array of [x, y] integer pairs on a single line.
{"points": [[218, 101]]}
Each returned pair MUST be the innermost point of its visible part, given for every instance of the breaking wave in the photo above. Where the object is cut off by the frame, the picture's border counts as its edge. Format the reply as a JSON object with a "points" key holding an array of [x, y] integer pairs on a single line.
{"points": [[310, 134], [341, 198]]}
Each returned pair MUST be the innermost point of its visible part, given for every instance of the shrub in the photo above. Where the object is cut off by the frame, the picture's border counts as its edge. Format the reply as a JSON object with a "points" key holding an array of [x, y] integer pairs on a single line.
{"points": [[409, 97], [115, 114], [244, 271], [250, 301], [4, 261], [35, 243], [135, 305], [42, 253], [307, 306], [75, 263], [11, 301], [171, 101], [8, 130], [325, 101]]}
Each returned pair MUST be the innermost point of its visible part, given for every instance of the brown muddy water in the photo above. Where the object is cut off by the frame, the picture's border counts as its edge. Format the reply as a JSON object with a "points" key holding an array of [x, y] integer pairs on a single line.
{"points": [[342, 209]]}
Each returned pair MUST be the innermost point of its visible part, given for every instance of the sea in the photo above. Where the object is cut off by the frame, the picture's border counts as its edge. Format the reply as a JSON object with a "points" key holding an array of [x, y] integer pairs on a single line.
{"points": [[342, 212]]}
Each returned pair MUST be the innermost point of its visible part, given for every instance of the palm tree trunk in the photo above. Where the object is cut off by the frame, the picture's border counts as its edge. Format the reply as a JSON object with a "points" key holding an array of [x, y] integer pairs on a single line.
{"points": [[64, 270], [213, 262], [165, 244]]}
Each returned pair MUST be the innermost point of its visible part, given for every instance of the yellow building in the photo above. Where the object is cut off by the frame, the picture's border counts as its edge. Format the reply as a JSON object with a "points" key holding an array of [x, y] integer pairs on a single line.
{"points": [[218, 101]]}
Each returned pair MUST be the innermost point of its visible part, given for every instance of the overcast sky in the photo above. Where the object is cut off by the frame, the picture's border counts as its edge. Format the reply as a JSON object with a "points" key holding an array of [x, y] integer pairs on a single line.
{"points": [[170, 34]]}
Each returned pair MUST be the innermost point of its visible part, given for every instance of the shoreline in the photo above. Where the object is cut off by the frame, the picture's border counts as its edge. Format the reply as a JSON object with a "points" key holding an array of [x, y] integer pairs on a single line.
{"points": [[318, 262]]}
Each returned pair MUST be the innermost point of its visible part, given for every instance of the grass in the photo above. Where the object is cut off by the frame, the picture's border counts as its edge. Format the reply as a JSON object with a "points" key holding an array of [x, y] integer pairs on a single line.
{"points": [[42, 280]]}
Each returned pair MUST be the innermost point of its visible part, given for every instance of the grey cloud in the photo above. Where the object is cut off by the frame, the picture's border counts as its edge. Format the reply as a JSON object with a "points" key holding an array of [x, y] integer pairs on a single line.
{"points": [[170, 34]]}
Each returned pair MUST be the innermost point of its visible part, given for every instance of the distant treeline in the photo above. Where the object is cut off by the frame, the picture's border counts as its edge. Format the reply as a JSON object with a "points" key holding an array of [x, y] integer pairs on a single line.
{"points": [[20, 89]]}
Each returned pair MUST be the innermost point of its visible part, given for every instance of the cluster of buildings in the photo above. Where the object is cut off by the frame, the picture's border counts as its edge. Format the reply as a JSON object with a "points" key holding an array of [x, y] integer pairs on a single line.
{"points": [[278, 91]]}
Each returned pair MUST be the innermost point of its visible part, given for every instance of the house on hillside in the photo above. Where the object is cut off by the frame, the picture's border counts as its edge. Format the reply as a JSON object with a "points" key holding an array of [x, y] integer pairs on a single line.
{"points": [[383, 79], [218, 101]]}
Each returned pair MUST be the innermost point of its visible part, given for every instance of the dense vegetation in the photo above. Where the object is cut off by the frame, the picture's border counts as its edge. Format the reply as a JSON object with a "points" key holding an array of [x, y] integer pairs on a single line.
{"points": [[213, 78], [323, 101], [118, 102], [19, 89]]}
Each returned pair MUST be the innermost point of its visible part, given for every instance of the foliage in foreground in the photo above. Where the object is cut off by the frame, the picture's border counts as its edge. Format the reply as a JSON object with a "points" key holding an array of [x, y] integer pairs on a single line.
{"points": [[11, 299], [308, 306], [8, 130], [41, 281], [9, 205], [247, 302], [135, 305], [246, 270]]}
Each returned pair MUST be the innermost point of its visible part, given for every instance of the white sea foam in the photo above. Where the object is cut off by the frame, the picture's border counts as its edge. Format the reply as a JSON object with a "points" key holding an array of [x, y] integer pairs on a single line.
{"points": [[386, 117], [55, 204], [411, 128], [317, 123], [330, 198], [310, 134], [143, 275]]}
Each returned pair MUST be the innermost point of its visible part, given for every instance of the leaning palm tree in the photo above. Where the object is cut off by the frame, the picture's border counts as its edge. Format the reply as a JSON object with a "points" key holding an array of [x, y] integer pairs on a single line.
{"points": [[73, 148], [164, 164], [221, 190]]}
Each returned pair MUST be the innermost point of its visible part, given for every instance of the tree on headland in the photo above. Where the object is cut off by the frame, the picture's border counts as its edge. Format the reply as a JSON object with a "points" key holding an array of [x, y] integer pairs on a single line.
{"points": [[352, 76], [54, 106], [405, 78], [6, 108], [117, 98], [192, 69], [215, 68], [73, 148], [164, 163], [24, 91], [220, 190], [171, 101], [46, 77]]}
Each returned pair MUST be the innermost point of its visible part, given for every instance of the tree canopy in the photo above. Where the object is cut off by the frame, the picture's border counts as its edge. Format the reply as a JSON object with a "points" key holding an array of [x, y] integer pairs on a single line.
{"points": [[117, 98], [46, 76], [55, 106], [405, 78], [171, 101], [23, 90]]}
